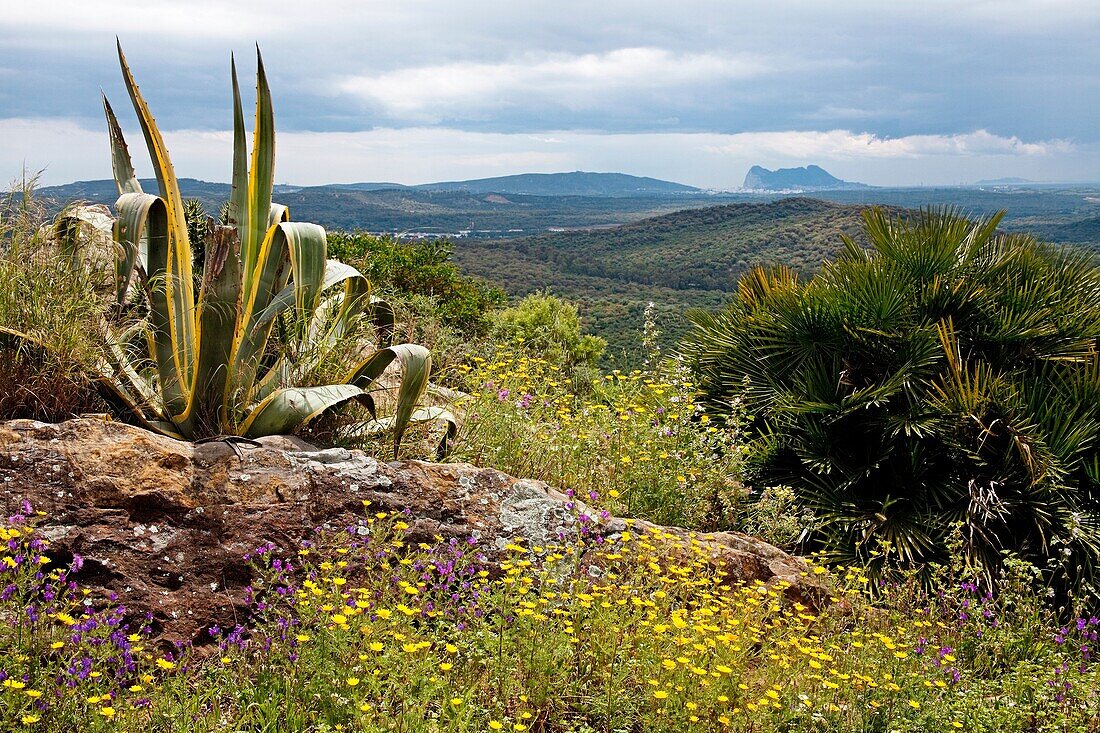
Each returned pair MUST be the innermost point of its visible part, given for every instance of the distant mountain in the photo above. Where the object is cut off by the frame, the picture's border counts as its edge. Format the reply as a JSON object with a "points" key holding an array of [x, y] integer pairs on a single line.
{"points": [[809, 178], [593, 185], [364, 186], [1010, 181], [578, 183], [105, 192]]}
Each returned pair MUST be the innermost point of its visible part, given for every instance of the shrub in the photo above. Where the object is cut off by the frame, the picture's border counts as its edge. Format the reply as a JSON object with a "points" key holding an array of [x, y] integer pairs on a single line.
{"points": [[947, 374], [421, 268], [631, 441], [551, 327]]}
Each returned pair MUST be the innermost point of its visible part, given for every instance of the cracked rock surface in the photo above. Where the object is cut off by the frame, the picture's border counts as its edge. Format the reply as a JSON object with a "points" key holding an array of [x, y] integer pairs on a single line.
{"points": [[165, 524]]}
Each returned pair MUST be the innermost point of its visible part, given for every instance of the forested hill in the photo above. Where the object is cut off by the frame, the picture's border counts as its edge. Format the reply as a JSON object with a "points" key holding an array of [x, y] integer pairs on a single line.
{"points": [[686, 258]]}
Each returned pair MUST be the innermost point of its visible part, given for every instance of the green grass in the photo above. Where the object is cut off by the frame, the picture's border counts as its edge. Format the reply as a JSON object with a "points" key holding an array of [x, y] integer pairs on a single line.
{"points": [[57, 305]]}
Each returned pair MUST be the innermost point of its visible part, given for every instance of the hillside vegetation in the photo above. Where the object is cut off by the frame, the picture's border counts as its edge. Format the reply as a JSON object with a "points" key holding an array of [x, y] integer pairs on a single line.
{"points": [[678, 260]]}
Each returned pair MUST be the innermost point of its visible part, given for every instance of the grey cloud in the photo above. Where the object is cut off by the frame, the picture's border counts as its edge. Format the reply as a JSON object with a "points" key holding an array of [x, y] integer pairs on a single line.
{"points": [[1014, 68]]}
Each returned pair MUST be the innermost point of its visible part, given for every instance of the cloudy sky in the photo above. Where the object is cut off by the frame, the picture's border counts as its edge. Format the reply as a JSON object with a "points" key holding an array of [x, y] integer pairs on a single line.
{"points": [[889, 92]]}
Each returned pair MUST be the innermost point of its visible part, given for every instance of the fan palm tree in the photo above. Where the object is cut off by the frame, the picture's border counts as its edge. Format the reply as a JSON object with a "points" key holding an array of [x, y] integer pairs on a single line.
{"points": [[945, 376]]}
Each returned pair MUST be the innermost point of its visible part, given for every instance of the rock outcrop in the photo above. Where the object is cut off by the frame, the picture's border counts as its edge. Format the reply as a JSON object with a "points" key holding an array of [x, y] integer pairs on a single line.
{"points": [[166, 524]]}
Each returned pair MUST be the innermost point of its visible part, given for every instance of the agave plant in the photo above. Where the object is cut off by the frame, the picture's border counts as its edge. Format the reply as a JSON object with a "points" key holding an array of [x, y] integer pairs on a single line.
{"points": [[948, 376], [270, 307]]}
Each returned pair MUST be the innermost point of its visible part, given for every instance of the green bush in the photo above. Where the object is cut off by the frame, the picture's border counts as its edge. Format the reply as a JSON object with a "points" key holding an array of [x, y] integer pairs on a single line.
{"points": [[550, 326], [947, 374], [421, 268]]}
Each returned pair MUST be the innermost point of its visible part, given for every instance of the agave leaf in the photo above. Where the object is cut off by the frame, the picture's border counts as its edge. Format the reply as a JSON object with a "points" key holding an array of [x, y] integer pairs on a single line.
{"points": [[180, 301], [287, 410], [277, 375], [384, 319], [238, 198], [142, 214], [277, 214], [355, 297], [125, 179], [416, 365], [261, 173], [339, 312], [305, 246], [421, 415], [335, 272], [219, 306], [117, 367], [129, 410], [267, 275]]}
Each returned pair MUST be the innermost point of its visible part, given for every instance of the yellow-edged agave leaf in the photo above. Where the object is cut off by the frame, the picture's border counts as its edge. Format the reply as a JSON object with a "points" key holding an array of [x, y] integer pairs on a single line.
{"points": [[278, 213], [288, 409], [177, 268], [335, 272], [336, 312], [304, 245], [121, 164], [219, 306], [238, 198], [276, 376], [118, 366], [129, 410], [416, 366], [307, 247], [142, 214], [261, 174], [348, 304]]}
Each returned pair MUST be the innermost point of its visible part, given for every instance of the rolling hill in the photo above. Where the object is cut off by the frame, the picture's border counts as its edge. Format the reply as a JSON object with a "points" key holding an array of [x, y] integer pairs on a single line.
{"points": [[1060, 213], [482, 208], [678, 260], [578, 183]]}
